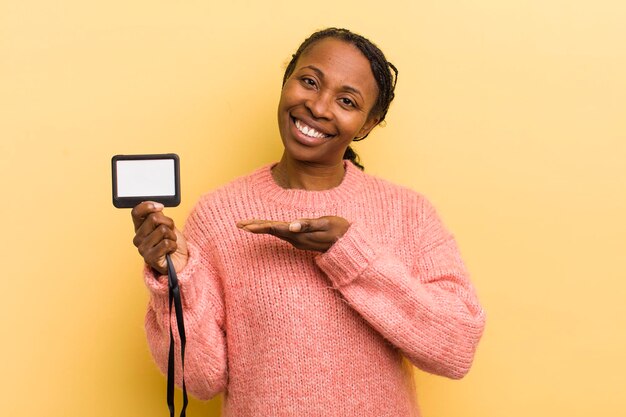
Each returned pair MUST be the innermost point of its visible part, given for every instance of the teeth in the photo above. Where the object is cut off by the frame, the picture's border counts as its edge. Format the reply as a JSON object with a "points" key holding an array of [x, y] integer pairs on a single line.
{"points": [[309, 131]]}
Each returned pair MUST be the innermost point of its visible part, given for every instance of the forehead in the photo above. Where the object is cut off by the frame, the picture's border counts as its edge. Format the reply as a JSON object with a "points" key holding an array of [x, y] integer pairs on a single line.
{"points": [[341, 62]]}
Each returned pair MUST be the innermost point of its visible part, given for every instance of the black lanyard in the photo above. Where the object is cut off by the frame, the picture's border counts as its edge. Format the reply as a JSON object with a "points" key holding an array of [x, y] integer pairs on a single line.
{"points": [[174, 293]]}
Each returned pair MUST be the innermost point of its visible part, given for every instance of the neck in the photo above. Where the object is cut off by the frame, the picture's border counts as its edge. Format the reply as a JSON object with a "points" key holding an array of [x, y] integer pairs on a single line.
{"points": [[292, 174]]}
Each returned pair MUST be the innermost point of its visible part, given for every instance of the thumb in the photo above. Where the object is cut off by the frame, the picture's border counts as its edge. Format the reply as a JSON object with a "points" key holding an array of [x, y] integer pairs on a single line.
{"points": [[300, 225]]}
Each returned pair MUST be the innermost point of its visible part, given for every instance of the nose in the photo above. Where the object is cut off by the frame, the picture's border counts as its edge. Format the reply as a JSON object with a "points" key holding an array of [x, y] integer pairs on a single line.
{"points": [[320, 105]]}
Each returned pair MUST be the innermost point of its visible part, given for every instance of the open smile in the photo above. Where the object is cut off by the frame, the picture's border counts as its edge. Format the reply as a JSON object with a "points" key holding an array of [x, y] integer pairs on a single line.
{"points": [[309, 131]]}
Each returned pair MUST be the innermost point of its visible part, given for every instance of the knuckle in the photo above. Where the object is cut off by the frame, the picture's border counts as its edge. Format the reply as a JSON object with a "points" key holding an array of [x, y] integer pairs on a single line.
{"points": [[163, 220], [169, 244], [150, 219]]}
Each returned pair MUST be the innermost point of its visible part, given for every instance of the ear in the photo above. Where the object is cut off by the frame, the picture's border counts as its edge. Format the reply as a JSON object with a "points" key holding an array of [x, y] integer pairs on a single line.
{"points": [[370, 124]]}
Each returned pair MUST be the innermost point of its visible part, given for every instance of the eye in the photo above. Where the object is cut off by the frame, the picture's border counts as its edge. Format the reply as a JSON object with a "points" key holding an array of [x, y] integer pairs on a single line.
{"points": [[347, 102], [309, 81]]}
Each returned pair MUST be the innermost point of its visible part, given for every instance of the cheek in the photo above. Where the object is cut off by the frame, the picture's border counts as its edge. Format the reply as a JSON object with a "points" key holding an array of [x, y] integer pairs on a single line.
{"points": [[283, 109], [289, 93], [353, 124], [281, 100]]}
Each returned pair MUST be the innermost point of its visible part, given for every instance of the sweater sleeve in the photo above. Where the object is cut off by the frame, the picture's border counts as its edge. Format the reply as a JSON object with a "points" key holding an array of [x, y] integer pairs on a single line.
{"points": [[203, 311], [426, 307]]}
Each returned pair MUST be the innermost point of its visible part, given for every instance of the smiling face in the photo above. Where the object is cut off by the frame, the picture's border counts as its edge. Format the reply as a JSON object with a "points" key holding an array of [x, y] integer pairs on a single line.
{"points": [[325, 103]]}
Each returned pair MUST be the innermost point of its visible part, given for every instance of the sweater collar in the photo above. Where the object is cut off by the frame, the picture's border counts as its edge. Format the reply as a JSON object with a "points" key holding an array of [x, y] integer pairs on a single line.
{"points": [[262, 183]]}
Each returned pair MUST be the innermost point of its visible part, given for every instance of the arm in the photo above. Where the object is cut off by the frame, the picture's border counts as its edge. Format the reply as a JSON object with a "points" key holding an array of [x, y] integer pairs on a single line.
{"points": [[205, 354], [428, 310]]}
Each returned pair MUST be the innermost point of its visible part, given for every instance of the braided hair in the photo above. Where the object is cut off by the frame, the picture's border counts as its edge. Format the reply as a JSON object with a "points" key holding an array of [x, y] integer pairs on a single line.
{"points": [[381, 68]]}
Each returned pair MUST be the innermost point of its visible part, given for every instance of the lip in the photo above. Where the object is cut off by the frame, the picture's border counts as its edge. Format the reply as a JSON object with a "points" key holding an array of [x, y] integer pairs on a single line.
{"points": [[312, 124], [308, 140]]}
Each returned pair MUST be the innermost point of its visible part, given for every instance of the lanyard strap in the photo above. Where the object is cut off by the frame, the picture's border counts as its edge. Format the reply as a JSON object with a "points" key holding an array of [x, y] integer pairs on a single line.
{"points": [[174, 295]]}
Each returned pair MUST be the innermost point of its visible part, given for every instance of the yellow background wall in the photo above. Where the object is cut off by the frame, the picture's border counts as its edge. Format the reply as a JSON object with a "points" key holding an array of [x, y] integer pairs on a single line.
{"points": [[510, 116]]}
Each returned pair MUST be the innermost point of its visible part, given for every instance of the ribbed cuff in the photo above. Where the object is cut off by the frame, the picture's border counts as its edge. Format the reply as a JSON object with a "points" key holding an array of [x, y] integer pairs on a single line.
{"points": [[158, 285], [347, 258]]}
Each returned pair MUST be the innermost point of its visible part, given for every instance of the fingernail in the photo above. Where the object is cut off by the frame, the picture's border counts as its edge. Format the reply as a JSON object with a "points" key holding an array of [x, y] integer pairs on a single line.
{"points": [[295, 227], [157, 206]]}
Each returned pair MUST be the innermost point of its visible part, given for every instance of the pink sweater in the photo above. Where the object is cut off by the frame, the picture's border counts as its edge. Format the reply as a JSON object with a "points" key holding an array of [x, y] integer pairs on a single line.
{"points": [[286, 332]]}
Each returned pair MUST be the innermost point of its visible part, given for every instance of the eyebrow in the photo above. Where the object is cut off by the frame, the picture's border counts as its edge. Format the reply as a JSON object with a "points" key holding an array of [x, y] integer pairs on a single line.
{"points": [[321, 75]]}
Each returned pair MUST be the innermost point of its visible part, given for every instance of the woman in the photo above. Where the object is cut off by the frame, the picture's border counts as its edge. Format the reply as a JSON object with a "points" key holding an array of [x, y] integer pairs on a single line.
{"points": [[307, 282]]}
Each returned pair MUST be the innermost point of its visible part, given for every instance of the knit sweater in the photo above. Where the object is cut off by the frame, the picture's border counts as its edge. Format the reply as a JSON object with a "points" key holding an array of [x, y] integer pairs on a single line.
{"points": [[288, 332]]}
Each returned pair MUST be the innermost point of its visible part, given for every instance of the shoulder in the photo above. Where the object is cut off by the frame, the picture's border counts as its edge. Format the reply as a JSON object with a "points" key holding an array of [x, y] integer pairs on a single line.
{"points": [[396, 200], [381, 188]]}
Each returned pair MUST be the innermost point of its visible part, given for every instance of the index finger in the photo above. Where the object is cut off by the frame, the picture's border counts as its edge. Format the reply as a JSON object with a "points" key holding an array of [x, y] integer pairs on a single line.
{"points": [[271, 227], [143, 210]]}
